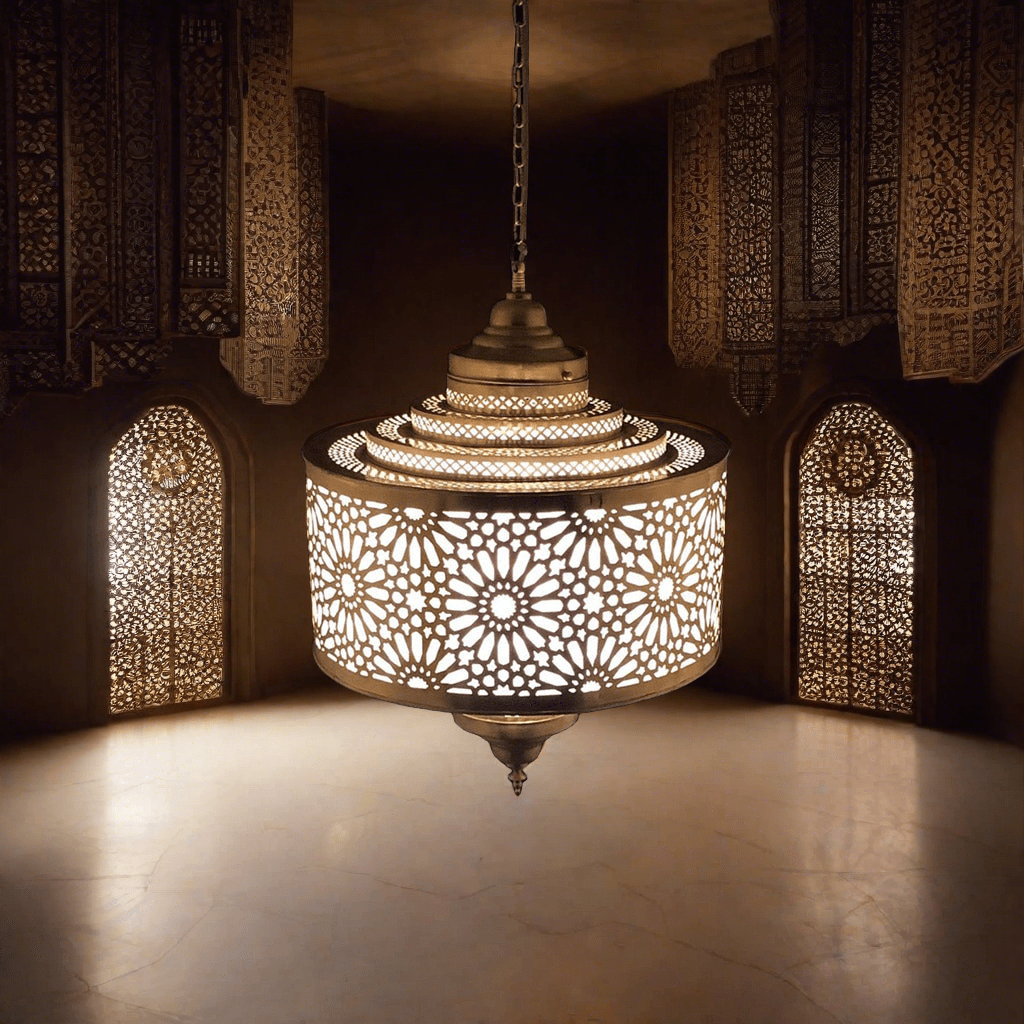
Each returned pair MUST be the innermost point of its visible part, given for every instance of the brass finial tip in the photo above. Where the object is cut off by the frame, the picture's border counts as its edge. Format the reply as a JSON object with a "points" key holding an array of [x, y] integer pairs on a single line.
{"points": [[517, 777], [515, 740]]}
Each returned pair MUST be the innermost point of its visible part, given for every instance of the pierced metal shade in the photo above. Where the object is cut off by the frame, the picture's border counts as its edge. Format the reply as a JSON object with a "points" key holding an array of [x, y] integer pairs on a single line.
{"points": [[514, 551], [514, 547]]}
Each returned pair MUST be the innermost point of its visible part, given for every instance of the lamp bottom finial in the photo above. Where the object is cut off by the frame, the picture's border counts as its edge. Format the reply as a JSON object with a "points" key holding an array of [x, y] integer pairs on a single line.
{"points": [[515, 740]]}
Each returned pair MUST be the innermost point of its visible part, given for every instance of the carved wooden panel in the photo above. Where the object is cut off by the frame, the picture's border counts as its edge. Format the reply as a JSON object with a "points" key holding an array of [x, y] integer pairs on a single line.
{"points": [[124, 203], [747, 112], [899, 174], [814, 70], [131, 347], [33, 311], [313, 268], [43, 354], [695, 289], [209, 153], [960, 248], [261, 359], [90, 70], [875, 160]]}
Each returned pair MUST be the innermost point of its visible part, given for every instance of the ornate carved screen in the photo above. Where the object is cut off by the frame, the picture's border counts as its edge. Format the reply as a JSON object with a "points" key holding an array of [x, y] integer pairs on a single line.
{"points": [[961, 238], [166, 551], [888, 133], [856, 563], [158, 177]]}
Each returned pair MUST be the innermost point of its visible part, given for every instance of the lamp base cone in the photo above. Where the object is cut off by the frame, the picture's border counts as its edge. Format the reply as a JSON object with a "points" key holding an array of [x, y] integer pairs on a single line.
{"points": [[515, 740]]}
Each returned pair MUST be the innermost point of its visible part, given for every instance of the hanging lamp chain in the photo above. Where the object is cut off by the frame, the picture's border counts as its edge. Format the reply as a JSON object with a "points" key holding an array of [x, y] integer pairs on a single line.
{"points": [[520, 140]]}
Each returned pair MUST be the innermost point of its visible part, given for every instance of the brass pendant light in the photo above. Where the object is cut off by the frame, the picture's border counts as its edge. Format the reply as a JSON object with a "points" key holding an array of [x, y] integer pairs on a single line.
{"points": [[513, 551]]}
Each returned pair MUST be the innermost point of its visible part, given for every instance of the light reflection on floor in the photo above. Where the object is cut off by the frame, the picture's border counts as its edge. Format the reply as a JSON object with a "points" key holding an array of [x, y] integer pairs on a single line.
{"points": [[326, 858]]}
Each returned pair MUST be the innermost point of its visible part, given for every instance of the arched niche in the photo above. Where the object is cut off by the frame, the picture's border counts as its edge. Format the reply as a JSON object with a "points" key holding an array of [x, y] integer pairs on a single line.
{"points": [[782, 536], [172, 527], [856, 518]]}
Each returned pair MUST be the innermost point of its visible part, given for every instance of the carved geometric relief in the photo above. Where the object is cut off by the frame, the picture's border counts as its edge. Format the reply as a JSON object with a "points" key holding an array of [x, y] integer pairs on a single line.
{"points": [[262, 360], [960, 248], [747, 98], [824, 221], [90, 28], [814, 59], [822, 62], [32, 179], [856, 560], [313, 279], [695, 289], [209, 153], [37, 182], [122, 195], [132, 348], [875, 162], [166, 563]]}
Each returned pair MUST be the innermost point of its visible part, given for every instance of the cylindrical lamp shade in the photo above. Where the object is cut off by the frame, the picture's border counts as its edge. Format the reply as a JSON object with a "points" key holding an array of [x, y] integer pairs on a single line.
{"points": [[494, 597]]}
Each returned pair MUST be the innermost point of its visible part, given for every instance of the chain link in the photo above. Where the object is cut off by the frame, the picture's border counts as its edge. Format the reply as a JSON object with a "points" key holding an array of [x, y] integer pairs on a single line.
{"points": [[520, 140]]}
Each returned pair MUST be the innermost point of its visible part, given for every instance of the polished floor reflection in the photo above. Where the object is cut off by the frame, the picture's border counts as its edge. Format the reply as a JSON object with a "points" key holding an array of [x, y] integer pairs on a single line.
{"points": [[325, 858]]}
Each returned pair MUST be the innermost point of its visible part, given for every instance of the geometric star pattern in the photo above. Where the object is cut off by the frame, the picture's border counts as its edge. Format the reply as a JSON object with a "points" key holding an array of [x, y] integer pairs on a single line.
{"points": [[509, 604]]}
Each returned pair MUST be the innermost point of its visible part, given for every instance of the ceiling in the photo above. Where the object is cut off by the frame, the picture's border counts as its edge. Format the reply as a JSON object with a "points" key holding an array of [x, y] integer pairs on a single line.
{"points": [[451, 58]]}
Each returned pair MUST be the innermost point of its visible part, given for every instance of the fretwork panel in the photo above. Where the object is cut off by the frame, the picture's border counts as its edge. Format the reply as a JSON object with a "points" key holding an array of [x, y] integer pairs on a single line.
{"points": [[856, 563], [166, 563]]}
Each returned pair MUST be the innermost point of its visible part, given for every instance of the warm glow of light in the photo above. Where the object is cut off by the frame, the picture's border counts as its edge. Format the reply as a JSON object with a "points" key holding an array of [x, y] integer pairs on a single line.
{"points": [[856, 631], [516, 604], [166, 552]]}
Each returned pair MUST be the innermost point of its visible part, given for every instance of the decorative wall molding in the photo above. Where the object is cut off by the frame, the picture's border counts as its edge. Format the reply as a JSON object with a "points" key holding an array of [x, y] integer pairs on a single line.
{"points": [[151, 165], [897, 169]]}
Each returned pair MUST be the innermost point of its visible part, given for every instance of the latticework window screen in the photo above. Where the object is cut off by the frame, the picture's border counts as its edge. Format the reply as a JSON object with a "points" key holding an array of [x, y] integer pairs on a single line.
{"points": [[856, 563], [166, 551]]}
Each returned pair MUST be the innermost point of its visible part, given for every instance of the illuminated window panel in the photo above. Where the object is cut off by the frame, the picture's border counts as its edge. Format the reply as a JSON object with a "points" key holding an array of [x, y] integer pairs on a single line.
{"points": [[856, 563], [166, 563]]}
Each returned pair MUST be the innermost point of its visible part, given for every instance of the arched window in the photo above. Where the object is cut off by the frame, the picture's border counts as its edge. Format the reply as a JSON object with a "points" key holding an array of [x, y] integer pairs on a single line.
{"points": [[166, 561], [856, 563]]}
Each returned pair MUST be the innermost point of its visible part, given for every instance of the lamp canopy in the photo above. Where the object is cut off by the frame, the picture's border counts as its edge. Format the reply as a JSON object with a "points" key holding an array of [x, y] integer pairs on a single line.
{"points": [[514, 551]]}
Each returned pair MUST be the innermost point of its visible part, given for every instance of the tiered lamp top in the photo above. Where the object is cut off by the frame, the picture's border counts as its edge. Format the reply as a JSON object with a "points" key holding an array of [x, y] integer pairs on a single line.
{"points": [[517, 416]]}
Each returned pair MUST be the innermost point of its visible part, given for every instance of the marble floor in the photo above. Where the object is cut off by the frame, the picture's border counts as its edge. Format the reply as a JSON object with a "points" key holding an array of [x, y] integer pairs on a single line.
{"points": [[325, 858]]}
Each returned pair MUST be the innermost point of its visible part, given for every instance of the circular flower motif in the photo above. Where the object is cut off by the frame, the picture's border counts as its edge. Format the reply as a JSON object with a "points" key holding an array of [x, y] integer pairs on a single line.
{"points": [[351, 601], [167, 463], [853, 463], [411, 536], [602, 662], [503, 605], [662, 593]]}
